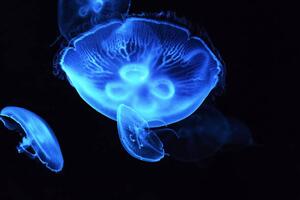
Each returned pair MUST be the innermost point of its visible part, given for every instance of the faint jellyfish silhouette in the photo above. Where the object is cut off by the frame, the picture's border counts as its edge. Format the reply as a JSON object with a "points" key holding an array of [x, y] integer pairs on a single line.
{"points": [[240, 134], [156, 68], [38, 139], [199, 136], [136, 137], [78, 16]]}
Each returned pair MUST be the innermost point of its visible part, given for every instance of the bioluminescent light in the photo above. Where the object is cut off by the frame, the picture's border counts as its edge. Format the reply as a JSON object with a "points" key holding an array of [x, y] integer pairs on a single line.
{"points": [[136, 137], [37, 136], [156, 68], [78, 16]]}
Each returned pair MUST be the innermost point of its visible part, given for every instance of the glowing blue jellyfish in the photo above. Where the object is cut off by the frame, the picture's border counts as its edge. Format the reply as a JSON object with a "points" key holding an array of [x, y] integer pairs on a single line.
{"points": [[38, 139], [156, 68], [77, 16], [136, 137]]}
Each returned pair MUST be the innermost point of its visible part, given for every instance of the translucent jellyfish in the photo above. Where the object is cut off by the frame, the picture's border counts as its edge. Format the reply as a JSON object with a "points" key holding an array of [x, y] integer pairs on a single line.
{"points": [[136, 137], [38, 139], [77, 16], [240, 134], [202, 135], [199, 136], [156, 68]]}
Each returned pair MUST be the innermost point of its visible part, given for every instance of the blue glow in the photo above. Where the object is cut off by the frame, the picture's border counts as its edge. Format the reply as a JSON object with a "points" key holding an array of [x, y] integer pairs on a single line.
{"points": [[78, 16], [162, 88], [136, 138], [94, 6], [134, 74], [199, 136], [116, 91], [38, 136], [156, 68]]}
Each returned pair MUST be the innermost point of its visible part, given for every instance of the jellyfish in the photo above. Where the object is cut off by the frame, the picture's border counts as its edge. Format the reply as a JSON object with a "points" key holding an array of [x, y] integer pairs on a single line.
{"points": [[78, 16], [38, 139], [198, 137], [136, 137], [240, 134], [204, 134], [157, 68]]}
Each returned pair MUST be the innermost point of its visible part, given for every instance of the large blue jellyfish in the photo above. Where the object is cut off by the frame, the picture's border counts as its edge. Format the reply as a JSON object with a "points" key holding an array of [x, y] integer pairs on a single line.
{"points": [[38, 138], [77, 16], [156, 68]]}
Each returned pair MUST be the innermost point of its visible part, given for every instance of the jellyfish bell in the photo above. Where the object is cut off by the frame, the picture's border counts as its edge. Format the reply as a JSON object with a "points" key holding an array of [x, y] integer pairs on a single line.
{"points": [[38, 139], [155, 67], [198, 137], [136, 137], [78, 16], [241, 135]]}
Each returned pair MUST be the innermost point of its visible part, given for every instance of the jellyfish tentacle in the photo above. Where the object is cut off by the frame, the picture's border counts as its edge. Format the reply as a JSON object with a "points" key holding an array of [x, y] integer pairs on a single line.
{"points": [[22, 147]]}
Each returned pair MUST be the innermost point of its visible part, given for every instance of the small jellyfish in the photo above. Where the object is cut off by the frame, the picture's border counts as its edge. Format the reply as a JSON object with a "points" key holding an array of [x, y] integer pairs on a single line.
{"points": [[156, 68], [199, 136], [241, 135], [78, 16], [136, 137], [38, 139]]}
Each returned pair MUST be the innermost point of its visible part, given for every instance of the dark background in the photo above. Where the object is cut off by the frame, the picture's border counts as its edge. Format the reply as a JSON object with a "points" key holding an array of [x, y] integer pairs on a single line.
{"points": [[258, 42]]}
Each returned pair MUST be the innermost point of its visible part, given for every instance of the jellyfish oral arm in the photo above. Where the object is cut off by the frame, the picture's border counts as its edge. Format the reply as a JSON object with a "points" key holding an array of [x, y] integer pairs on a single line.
{"points": [[22, 147]]}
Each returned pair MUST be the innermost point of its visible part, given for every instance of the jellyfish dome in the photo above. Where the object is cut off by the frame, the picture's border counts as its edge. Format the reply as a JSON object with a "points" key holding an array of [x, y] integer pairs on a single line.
{"points": [[38, 140], [77, 16], [136, 137], [199, 136], [156, 68]]}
